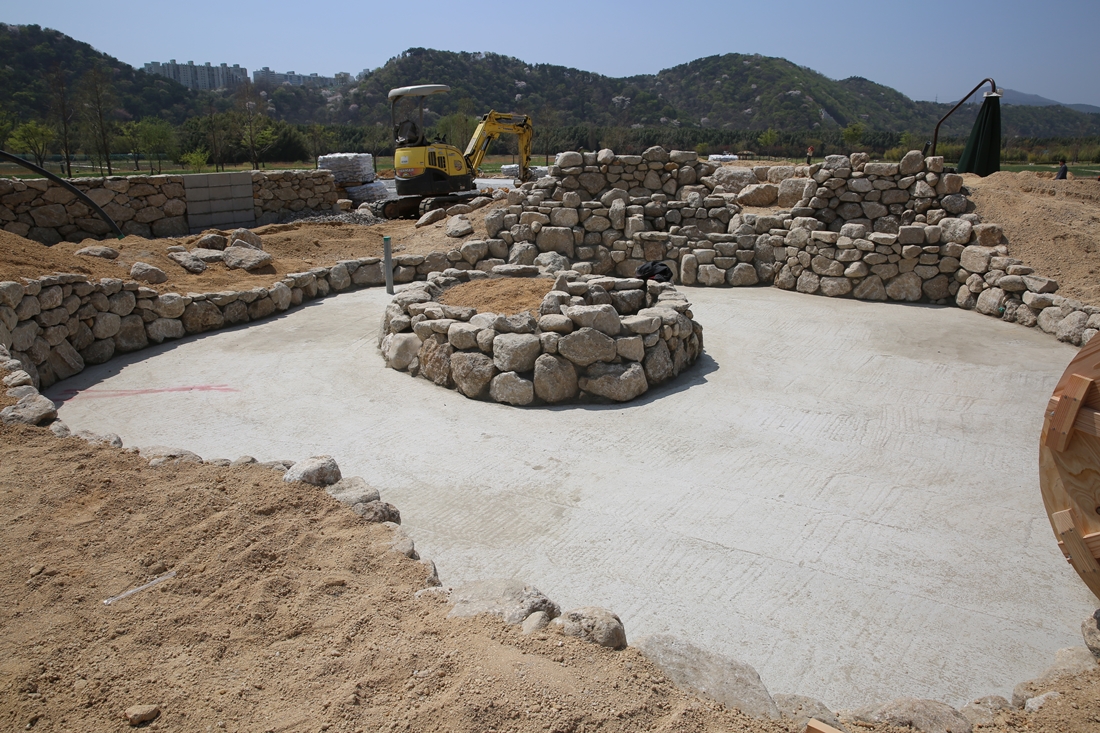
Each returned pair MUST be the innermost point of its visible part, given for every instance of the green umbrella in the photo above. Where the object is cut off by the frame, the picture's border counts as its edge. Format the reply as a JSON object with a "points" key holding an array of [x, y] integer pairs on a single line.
{"points": [[982, 154]]}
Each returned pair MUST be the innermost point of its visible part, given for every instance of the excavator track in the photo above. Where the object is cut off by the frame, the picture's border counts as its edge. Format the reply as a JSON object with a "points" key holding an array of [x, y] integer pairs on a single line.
{"points": [[441, 202], [402, 207]]}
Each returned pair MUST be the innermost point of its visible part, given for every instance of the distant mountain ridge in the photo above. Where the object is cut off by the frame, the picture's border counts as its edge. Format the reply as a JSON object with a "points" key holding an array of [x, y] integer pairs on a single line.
{"points": [[729, 92], [1023, 99]]}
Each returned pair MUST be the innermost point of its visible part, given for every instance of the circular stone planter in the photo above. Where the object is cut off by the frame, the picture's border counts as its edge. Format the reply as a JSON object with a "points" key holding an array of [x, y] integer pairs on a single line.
{"points": [[593, 338]]}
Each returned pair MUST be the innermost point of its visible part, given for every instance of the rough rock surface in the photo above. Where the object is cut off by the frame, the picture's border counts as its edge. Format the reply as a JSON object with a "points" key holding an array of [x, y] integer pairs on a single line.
{"points": [[594, 624], [512, 600], [318, 471], [719, 677], [925, 716]]}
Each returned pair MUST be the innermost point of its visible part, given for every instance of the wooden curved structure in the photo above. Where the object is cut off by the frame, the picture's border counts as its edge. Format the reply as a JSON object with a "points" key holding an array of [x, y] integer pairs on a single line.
{"points": [[1069, 463]]}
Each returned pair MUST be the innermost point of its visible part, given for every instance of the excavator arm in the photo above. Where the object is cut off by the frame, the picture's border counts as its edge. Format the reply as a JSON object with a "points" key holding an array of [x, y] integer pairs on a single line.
{"points": [[492, 126]]}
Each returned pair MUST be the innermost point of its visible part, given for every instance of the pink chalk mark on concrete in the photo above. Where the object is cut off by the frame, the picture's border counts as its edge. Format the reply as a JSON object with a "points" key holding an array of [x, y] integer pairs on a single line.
{"points": [[94, 394]]}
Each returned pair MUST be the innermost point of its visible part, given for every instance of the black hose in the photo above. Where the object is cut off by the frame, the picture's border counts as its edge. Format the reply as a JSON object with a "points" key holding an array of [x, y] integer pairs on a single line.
{"points": [[62, 182]]}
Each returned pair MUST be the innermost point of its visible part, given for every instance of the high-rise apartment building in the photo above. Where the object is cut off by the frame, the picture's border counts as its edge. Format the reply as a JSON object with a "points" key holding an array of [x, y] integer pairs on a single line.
{"points": [[204, 76]]}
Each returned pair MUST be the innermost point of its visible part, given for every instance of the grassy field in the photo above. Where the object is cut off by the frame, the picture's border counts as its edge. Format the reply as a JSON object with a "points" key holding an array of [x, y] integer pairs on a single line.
{"points": [[490, 166]]}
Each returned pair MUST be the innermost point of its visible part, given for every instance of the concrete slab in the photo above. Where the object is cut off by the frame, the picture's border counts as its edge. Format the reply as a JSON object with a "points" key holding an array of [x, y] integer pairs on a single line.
{"points": [[842, 494]]}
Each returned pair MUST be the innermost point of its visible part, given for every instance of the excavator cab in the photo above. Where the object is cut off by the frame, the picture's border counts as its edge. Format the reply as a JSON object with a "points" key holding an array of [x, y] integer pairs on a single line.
{"points": [[434, 174], [423, 168]]}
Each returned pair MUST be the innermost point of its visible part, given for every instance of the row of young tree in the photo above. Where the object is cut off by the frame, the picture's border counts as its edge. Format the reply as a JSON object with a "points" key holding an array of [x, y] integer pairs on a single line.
{"points": [[85, 121]]}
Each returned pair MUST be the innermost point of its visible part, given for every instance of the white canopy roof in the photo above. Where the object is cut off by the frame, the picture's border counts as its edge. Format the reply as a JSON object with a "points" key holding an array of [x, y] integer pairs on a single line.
{"points": [[422, 90]]}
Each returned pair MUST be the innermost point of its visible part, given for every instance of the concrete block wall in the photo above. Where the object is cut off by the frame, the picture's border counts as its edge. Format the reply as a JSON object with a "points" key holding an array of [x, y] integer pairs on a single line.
{"points": [[161, 206], [219, 201]]}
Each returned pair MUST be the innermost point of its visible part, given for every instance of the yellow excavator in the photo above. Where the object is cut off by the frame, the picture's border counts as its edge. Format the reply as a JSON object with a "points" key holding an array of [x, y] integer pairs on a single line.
{"points": [[434, 174]]}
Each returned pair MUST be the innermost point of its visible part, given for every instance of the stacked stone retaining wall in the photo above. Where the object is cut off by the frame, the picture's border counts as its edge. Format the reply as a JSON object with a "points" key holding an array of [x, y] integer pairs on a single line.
{"points": [[604, 338], [160, 206]]}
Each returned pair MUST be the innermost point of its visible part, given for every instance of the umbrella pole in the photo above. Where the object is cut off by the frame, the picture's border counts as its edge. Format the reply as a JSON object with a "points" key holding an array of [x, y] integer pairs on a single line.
{"points": [[936, 134]]}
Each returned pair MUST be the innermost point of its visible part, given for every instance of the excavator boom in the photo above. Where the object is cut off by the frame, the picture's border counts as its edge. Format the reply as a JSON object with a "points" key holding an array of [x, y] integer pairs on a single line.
{"points": [[492, 126]]}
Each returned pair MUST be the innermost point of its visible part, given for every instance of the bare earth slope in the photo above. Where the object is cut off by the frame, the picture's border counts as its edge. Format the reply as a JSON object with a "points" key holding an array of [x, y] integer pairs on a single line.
{"points": [[1053, 226]]}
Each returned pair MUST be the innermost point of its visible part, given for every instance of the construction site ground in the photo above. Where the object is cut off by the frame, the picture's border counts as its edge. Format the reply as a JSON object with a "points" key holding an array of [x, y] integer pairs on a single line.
{"points": [[903, 470]]}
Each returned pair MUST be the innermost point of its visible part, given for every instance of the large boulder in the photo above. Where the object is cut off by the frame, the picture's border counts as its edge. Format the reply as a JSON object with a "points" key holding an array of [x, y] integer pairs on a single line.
{"points": [[33, 409], [758, 194], [400, 349], [792, 191], [717, 676], [556, 377], [459, 226], [594, 624], [734, 178], [603, 318], [511, 600], [587, 346], [243, 238], [617, 382], [245, 258], [923, 716], [144, 272], [512, 389], [318, 471], [474, 371], [516, 352], [905, 287]]}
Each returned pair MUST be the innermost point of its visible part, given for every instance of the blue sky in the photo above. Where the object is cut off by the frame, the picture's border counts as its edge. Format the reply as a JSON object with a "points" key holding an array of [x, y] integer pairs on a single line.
{"points": [[924, 49]]}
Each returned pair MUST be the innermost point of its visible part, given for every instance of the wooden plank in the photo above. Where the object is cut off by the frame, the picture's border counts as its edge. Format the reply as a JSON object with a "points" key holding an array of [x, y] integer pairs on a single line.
{"points": [[1065, 414], [816, 726], [1092, 542], [1088, 419], [1079, 554]]}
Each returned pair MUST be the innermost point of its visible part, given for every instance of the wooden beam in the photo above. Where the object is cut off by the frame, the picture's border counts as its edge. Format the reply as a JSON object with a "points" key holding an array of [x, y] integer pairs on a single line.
{"points": [[1088, 419], [1065, 414], [816, 726], [1092, 542], [1074, 543]]}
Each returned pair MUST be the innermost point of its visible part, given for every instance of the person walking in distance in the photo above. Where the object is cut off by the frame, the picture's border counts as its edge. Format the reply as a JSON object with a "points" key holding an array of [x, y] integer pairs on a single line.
{"points": [[1062, 170], [809, 155]]}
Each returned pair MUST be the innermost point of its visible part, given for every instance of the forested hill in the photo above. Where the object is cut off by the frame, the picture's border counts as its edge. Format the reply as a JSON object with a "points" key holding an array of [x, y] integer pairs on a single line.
{"points": [[36, 63], [731, 92]]}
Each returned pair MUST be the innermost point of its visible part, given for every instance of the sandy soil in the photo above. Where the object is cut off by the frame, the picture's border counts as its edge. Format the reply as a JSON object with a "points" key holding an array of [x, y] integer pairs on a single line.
{"points": [[507, 296], [295, 247], [1053, 226]]}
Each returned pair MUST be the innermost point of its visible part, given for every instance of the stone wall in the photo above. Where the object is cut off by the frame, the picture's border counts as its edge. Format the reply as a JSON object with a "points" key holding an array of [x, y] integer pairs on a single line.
{"points": [[278, 193], [602, 338], [158, 206], [56, 325], [148, 206]]}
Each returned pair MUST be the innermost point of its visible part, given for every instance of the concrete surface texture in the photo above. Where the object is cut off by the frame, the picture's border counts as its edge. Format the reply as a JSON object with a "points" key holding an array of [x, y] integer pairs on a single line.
{"points": [[842, 494]]}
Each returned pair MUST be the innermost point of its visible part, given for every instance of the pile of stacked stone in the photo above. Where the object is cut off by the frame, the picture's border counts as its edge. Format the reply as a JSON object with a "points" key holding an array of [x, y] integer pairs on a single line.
{"points": [[601, 213], [348, 169], [57, 324], [593, 337], [145, 206], [275, 194], [883, 196], [511, 170], [994, 284]]}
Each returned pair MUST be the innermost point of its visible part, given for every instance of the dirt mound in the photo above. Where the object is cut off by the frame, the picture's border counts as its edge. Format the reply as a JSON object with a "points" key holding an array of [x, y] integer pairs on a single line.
{"points": [[507, 296], [296, 247], [1053, 226]]}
